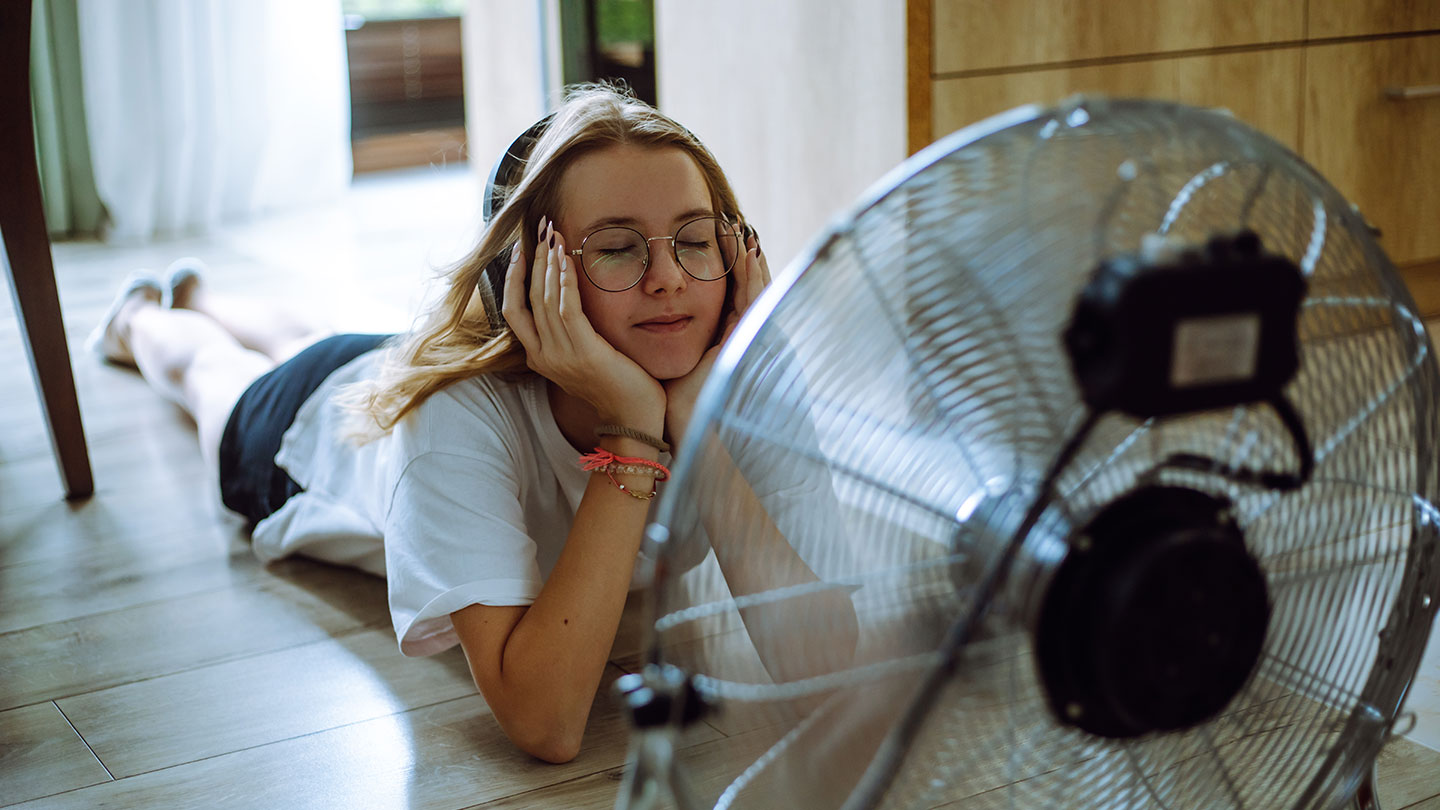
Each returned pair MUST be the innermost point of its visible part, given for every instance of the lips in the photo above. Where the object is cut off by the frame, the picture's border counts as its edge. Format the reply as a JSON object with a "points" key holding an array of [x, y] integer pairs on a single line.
{"points": [[665, 323]]}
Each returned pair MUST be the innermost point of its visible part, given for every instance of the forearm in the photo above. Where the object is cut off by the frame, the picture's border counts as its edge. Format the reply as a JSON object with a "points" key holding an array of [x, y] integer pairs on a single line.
{"points": [[555, 656], [796, 637]]}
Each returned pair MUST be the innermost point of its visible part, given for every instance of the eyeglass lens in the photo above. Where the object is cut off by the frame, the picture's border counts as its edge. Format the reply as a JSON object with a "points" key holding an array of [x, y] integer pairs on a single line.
{"points": [[616, 258]]}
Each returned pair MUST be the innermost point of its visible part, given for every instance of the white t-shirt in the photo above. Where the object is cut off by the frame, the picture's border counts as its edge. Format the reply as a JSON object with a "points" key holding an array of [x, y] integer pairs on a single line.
{"points": [[472, 494], [470, 499]]}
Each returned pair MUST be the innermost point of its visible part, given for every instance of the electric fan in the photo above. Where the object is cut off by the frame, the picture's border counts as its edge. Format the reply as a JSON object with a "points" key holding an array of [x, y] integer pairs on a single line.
{"points": [[1087, 462]]}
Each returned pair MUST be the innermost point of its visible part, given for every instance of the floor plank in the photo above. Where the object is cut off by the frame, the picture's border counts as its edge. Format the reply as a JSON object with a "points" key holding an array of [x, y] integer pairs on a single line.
{"points": [[1424, 695], [116, 578], [444, 756], [171, 720], [1406, 773], [41, 754], [303, 602], [709, 766], [146, 521]]}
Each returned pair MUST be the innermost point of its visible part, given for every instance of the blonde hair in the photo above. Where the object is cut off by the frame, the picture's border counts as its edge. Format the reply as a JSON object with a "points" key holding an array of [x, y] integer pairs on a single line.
{"points": [[463, 333]]}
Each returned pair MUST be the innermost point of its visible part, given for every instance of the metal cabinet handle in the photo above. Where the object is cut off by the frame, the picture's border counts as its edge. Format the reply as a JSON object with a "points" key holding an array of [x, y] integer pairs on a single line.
{"points": [[1407, 93]]}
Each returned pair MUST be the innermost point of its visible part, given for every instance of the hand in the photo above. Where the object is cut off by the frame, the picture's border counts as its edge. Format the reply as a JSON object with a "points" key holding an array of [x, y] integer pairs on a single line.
{"points": [[752, 275], [562, 346]]}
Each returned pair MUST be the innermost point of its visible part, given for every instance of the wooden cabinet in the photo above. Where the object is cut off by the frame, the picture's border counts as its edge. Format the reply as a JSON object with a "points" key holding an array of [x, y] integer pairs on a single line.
{"points": [[1382, 152], [986, 34], [1314, 74], [1207, 81], [1356, 18]]}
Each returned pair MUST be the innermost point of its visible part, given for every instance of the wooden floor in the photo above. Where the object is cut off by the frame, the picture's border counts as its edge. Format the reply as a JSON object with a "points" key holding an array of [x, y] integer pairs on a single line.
{"points": [[147, 660]]}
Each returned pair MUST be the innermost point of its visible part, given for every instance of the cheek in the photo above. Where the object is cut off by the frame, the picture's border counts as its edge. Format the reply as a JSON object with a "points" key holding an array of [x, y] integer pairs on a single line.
{"points": [[712, 296], [605, 313]]}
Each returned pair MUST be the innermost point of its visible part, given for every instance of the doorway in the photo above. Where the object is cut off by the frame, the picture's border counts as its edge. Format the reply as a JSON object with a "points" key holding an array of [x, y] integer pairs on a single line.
{"points": [[407, 91]]}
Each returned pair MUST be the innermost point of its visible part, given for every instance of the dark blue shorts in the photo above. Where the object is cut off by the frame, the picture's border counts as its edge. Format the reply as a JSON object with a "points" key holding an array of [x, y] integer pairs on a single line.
{"points": [[250, 482]]}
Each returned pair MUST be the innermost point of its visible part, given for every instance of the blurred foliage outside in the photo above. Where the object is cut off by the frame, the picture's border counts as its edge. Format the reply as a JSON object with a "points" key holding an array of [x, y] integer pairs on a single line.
{"points": [[624, 21]]}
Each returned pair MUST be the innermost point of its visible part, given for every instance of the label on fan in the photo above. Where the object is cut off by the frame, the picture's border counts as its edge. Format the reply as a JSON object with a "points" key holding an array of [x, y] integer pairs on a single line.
{"points": [[1215, 349]]}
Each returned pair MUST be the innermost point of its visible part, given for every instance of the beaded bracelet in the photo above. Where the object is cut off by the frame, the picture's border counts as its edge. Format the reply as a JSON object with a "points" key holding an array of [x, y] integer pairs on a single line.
{"points": [[629, 469], [603, 460], [600, 458], [632, 433]]}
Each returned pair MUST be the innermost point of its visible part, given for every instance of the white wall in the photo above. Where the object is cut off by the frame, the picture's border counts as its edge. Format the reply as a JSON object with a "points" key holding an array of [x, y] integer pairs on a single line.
{"points": [[511, 73], [802, 101]]}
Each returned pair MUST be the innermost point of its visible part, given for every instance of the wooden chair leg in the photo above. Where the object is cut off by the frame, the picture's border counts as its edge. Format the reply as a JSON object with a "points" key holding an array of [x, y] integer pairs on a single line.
{"points": [[38, 306], [25, 252]]}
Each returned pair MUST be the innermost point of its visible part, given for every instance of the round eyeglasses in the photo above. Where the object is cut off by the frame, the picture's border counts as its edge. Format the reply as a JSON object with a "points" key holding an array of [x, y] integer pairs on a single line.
{"points": [[616, 258]]}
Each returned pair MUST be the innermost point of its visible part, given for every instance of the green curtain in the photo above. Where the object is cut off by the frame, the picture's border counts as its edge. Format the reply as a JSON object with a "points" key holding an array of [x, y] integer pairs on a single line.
{"points": [[62, 146]]}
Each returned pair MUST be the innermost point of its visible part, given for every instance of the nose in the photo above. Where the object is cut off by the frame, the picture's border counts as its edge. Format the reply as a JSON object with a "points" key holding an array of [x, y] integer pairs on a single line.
{"points": [[664, 273]]}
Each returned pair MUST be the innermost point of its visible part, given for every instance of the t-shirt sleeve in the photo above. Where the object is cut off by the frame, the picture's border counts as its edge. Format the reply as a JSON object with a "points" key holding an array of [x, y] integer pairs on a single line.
{"points": [[455, 536]]}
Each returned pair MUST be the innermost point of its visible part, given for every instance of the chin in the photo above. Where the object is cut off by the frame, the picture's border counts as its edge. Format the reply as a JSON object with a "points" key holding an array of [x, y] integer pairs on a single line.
{"points": [[670, 368]]}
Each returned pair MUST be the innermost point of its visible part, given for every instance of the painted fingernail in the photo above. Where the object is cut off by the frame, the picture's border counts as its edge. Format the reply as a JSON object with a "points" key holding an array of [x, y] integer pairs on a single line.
{"points": [[515, 254]]}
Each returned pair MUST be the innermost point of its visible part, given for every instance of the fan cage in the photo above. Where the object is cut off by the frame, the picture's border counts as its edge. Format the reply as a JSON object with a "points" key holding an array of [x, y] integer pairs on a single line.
{"points": [[879, 424]]}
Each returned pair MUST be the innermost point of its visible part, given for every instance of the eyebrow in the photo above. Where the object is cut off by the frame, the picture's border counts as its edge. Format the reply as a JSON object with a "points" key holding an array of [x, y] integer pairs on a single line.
{"points": [[630, 222]]}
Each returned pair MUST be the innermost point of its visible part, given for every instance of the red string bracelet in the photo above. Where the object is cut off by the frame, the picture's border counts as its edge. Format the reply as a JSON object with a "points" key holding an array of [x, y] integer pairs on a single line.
{"points": [[602, 460]]}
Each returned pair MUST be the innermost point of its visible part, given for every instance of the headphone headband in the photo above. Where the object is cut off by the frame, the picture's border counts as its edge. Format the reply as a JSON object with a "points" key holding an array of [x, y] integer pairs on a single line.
{"points": [[503, 175], [507, 167]]}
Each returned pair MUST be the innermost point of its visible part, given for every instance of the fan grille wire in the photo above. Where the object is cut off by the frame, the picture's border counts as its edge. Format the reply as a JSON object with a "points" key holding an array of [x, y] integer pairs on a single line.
{"points": [[909, 377]]}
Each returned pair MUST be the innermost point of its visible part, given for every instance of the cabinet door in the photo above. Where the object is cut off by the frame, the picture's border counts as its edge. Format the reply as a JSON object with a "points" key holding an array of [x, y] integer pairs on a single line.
{"points": [[1259, 87], [1353, 18], [987, 34], [1381, 152]]}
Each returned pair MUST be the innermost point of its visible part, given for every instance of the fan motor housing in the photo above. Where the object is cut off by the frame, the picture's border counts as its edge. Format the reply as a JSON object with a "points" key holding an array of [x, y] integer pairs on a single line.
{"points": [[1156, 617], [1179, 332]]}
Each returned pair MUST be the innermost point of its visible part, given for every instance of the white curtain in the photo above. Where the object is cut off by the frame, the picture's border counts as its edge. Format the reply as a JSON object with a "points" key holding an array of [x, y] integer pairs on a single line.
{"points": [[203, 111]]}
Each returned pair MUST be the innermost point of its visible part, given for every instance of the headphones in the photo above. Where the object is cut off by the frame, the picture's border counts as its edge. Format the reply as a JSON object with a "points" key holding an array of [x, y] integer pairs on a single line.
{"points": [[503, 175]]}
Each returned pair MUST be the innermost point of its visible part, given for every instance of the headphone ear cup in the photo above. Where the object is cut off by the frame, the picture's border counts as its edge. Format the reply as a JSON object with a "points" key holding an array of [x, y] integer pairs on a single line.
{"points": [[502, 175], [495, 276]]}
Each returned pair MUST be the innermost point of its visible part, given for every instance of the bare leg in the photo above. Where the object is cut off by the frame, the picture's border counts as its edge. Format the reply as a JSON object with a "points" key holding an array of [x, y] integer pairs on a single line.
{"points": [[270, 330], [191, 360]]}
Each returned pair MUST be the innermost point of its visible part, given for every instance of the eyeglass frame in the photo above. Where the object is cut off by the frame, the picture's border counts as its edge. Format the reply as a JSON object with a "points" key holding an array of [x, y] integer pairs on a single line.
{"points": [[744, 233]]}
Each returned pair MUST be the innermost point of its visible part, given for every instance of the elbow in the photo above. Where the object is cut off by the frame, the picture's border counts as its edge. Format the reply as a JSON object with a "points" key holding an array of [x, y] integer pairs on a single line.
{"points": [[541, 733], [551, 746]]}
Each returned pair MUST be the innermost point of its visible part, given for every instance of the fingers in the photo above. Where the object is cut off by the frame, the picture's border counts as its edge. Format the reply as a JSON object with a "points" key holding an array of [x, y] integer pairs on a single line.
{"points": [[763, 262], [514, 311], [537, 278], [753, 276], [739, 298], [553, 330], [572, 315], [553, 254], [554, 269]]}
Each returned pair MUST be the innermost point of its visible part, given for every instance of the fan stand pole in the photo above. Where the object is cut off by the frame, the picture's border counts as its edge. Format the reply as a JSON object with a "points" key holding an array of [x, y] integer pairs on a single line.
{"points": [[1365, 798], [883, 767], [656, 780]]}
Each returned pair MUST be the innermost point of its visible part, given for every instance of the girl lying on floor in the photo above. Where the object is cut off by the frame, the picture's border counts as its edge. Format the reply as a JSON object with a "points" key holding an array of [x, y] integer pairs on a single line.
{"points": [[497, 463]]}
